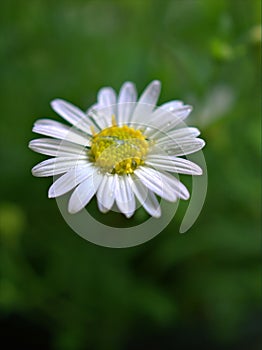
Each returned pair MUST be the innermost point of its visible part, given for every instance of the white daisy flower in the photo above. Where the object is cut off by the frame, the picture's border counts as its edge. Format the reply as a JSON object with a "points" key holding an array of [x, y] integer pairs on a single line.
{"points": [[121, 150]]}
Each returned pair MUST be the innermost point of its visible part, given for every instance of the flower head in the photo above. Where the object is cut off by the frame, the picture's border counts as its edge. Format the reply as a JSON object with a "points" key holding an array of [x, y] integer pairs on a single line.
{"points": [[120, 150]]}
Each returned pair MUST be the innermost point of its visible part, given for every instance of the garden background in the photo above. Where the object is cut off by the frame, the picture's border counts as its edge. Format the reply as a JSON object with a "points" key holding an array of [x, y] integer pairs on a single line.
{"points": [[201, 289]]}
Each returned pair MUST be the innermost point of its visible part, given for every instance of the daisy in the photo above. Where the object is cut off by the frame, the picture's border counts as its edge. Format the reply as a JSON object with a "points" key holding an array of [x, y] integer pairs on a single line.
{"points": [[122, 150]]}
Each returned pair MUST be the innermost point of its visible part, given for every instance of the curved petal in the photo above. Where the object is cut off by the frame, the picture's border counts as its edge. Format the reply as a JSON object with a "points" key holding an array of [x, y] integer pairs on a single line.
{"points": [[84, 193], [162, 183], [71, 179], [72, 114], [168, 116], [187, 132], [145, 197], [178, 116], [156, 182], [166, 108]]}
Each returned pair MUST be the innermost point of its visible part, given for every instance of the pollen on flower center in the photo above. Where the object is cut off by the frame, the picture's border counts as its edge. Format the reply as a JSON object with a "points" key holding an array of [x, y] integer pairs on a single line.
{"points": [[119, 149]]}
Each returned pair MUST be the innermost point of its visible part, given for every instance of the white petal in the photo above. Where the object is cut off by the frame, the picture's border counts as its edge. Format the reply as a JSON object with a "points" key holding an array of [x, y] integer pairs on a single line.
{"points": [[54, 147], [60, 131], [84, 193], [71, 179], [145, 197], [166, 108], [99, 118], [72, 114], [187, 132], [156, 182], [107, 103], [181, 147], [146, 103], [171, 182], [178, 116], [124, 195], [168, 116], [105, 193], [151, 93], [126, 102], [101, 207], [56, 166], [173, 164]]}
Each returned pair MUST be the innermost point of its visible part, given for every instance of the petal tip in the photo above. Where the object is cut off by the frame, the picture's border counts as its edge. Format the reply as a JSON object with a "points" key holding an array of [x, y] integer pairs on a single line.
{"points": [[157, 214], [186, 196], [156, 82], [55, 101], [128, 215], [203, 143], [72, 209], [128, 84], [31, 144], [197, 170], [34, 171], [51, 193]]}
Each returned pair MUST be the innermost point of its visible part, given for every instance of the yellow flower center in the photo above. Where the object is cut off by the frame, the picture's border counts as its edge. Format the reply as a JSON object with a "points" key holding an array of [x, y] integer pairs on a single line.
{"points": [[118, 149]]}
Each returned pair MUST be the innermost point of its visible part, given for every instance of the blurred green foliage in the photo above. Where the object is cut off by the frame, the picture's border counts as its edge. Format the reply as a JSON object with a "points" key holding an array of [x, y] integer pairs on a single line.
{"points": [[60, 292]]}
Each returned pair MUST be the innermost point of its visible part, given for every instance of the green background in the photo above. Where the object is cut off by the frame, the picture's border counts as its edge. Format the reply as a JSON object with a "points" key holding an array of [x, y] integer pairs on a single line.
{"points": [[201, 289]]}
